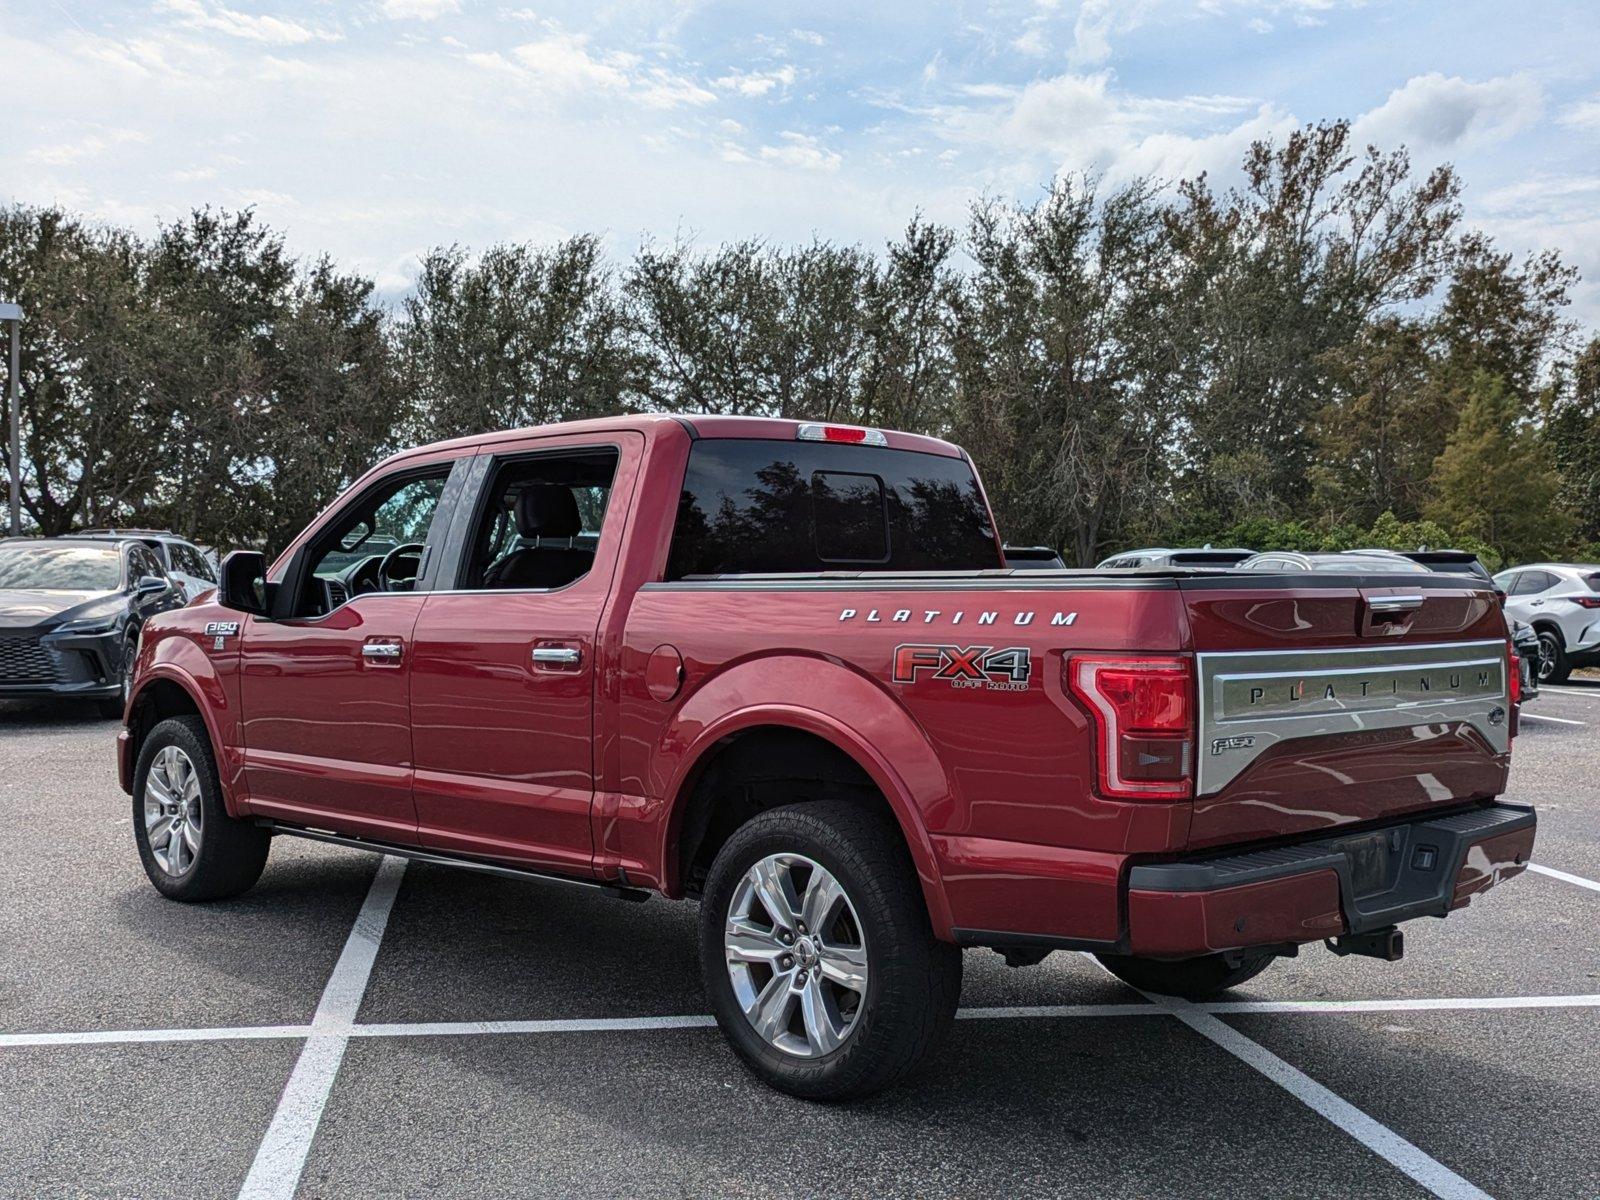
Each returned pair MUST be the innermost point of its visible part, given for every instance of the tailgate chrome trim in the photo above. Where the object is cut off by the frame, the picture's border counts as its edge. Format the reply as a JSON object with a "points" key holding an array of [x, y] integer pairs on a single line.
{"points": [[1253, 700]]}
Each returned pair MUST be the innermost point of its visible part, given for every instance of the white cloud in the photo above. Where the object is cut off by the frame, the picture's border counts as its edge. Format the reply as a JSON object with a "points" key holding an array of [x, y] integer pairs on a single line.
{"points": [[90, 146], [809, 36], [1583, 116], [1438, 113], [561, 63], [801, 150], [1031, 43], [418, 10], [275, 31], [755, 83]]}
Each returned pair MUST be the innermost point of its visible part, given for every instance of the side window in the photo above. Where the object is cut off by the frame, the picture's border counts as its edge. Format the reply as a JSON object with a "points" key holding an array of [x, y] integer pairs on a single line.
{"points": [[374, 544], [539, 524], [1531, 583], [196, 563], [142, 562]]}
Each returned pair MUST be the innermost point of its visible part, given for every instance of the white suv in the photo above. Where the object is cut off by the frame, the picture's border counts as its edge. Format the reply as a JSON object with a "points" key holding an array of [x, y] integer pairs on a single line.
{"points": [[1562, 603]]}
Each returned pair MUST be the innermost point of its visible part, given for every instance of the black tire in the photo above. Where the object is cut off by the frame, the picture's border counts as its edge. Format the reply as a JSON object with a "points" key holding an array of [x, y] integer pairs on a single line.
{"points": [[232, 853], [1189, 978], [913, 979], [1553, 664], [113, 709]]}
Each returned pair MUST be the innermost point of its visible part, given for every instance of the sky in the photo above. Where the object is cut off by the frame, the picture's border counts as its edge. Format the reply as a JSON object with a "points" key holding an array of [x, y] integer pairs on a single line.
{"points": [[377, 129]]}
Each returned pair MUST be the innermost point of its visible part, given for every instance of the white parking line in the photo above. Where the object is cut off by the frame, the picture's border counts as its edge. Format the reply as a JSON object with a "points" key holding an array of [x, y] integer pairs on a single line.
{"points": [[1562, 875], [91, 1037], [281, 1157], [705, 1021], [1591, 693], [1374, 1135], [1558, 720]]}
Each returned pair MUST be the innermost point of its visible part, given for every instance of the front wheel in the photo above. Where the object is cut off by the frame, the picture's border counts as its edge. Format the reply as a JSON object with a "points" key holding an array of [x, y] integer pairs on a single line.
{"points": [[1189, 978], [1553, 665], [190, 847], [820, 963]]}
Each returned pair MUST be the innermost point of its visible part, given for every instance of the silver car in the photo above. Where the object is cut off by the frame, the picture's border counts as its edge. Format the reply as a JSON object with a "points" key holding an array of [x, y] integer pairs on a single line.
{"points": [[1562, 603]]}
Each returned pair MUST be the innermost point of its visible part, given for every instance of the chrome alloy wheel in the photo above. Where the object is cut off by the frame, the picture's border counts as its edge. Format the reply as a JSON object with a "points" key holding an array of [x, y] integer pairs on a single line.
{"points": [[172, 810], [796, 955]]}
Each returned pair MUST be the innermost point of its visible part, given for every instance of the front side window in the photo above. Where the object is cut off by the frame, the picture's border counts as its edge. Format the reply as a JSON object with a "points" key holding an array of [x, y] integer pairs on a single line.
{"points": [[757, 506], [60, 568]]}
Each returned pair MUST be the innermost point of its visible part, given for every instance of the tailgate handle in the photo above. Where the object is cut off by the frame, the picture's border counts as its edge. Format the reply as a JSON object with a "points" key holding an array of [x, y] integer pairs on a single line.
{"points": [[1393, 605]]}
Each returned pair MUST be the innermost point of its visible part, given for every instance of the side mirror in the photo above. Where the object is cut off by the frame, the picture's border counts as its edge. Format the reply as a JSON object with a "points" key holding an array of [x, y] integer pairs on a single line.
{"points": [[150, 585], [243, 586]]}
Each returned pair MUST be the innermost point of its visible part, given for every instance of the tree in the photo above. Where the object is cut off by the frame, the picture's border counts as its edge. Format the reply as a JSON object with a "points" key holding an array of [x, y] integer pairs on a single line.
{"points": [[521, 336], [1572, 431], [1283, 273], [1495, 480], [908, 378], [1067, 358]]}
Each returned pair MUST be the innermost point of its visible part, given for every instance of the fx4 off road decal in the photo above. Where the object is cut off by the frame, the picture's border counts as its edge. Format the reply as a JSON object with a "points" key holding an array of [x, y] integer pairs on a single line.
{"points": [[1006, 670]]}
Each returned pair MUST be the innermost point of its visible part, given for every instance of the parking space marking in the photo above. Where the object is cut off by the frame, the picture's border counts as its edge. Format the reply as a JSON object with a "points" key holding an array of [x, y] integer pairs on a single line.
{"points": [[1468, 1003], [1579, 880], [92, 1037], [281, 1157], [559, 1025], [1557, 720], [1371, 1133], [1591, 693]]}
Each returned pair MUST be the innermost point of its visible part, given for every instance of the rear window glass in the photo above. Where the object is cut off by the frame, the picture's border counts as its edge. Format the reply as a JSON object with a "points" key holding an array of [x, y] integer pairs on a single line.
{"points": [[757, 507], [1593, 581]]}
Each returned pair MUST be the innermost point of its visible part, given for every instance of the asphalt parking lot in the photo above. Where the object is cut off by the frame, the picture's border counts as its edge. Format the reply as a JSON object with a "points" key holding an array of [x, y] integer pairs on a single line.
{"points": [[349, 1028]]}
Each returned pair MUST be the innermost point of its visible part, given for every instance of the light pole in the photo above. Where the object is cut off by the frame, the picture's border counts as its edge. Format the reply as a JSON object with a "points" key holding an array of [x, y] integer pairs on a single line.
{"points": [[12, 313]]}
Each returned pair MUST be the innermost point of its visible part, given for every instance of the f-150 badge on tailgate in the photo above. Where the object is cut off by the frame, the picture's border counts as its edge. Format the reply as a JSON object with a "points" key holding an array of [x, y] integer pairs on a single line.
{"points": [[1006, 670]]}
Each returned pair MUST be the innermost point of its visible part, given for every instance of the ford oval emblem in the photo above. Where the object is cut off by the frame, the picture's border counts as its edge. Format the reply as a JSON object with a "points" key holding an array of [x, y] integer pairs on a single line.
{"points": [[1497, 716]]}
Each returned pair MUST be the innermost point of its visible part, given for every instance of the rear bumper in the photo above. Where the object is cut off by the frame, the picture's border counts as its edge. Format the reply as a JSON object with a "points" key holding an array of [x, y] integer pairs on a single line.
{"points": [[1305, 891], [1281, 895]]}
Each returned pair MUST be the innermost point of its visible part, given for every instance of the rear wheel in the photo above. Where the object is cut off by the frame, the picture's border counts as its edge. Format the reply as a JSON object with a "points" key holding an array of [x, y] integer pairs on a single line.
{"points": [[818, 957], [1190, 978], [190, 847], [1553, 664]]}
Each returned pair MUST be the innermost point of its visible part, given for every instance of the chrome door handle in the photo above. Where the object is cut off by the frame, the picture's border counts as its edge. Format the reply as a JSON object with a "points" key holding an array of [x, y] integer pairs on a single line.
{"points": [[382, 651], [564, 656]]}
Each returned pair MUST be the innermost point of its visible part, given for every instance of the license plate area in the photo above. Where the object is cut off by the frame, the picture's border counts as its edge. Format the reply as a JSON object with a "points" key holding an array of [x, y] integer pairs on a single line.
{"points": [[1372, 859]]}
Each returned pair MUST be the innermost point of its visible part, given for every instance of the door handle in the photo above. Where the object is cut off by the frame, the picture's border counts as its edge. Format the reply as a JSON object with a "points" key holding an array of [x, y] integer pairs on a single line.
{"points": [[557, 656], [1394, 604], [382, 651]]}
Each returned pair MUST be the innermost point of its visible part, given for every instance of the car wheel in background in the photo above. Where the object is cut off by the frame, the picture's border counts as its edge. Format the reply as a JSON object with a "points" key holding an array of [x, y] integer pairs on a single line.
{"points": [[819, 960], [1190, 978], [1553, 665], [115, 708], [190, 847]]}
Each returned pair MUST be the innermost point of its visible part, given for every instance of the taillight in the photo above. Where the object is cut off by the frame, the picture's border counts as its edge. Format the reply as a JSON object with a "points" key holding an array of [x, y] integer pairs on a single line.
{"points": [[1143, 710], [1585, 601], [841, 433]]}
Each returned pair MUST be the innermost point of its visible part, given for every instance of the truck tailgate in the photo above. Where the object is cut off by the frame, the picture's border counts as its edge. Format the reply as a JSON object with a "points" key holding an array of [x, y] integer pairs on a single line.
{"points": [[1329, 701]]}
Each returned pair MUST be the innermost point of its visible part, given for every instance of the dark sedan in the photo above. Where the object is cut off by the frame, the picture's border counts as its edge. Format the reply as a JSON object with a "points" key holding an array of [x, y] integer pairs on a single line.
{"points": [[70, 615]]}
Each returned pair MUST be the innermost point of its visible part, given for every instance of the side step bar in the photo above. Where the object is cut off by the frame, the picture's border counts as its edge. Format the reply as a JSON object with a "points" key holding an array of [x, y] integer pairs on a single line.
{"points": [[434, 857]]}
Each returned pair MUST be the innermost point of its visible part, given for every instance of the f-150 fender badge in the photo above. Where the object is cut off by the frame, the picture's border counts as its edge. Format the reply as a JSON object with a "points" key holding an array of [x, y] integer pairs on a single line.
{"points": [[1224, 744], [1004, 670], [219, 632]]}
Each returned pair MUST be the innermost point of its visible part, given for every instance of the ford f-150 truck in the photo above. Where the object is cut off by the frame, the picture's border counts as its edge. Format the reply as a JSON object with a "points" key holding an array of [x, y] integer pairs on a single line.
{"points": [[782, 668]]}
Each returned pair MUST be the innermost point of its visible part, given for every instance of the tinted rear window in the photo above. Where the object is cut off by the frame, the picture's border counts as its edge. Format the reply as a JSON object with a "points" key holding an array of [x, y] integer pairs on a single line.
{"points": [[755, 506]]}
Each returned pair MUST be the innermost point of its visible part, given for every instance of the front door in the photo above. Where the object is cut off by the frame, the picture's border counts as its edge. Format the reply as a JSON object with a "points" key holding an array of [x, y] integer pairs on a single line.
{"points": [[325, 687], [504, 673]]}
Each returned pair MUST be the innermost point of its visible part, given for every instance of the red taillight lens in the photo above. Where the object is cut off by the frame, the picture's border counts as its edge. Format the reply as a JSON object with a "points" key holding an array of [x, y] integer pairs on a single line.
{"points": [[1513, 675], [1585, 601], [853, 434], [1144, 717]]}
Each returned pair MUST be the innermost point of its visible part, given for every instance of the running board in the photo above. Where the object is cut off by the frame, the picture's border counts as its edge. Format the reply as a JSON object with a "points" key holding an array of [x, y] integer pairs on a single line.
{"points": [[483, 866]]}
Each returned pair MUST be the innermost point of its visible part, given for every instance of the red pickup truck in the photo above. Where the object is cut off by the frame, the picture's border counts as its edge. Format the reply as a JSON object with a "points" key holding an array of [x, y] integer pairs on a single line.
{"points": [[783, 668]]}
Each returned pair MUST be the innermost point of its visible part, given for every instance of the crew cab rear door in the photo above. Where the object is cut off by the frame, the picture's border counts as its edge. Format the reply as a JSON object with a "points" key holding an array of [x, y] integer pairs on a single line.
{"points": [[504, 674], [1328, 700]]}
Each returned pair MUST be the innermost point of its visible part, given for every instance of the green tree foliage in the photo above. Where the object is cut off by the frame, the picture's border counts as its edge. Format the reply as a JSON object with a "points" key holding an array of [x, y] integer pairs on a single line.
{"points": [[1319, 358], [520, 336], [1495, 480], [1066, 346]]}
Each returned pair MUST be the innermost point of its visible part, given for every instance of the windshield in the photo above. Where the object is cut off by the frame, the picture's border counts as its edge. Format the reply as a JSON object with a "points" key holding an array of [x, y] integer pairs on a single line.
{"points": [[60, 568]]}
